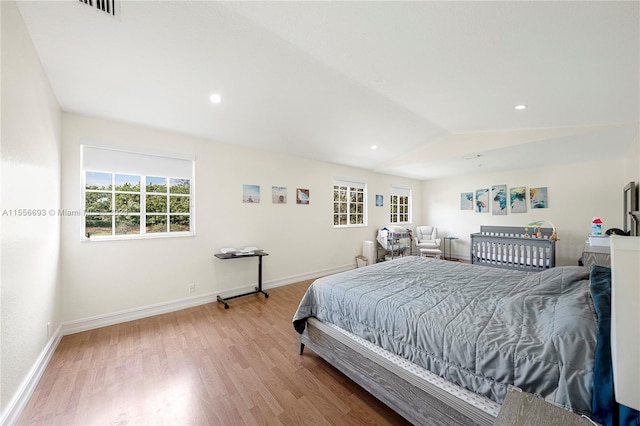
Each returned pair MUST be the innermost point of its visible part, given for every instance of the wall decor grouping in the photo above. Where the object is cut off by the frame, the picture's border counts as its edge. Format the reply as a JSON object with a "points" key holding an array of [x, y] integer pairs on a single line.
{"points": [[251, 194], [515, 198]]}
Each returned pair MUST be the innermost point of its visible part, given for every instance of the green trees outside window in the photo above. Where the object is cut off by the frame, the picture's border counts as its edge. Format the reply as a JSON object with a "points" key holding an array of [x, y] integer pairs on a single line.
{"points": [[348, 205], [122, 204]]}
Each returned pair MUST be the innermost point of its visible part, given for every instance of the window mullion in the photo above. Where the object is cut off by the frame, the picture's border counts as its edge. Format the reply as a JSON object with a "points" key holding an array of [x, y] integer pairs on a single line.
{"points": [[113, 204], [143, 204]]}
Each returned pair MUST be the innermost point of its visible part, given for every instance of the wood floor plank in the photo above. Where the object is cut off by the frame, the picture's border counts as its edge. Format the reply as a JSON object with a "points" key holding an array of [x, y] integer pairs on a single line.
{"points": [[202, 365]]}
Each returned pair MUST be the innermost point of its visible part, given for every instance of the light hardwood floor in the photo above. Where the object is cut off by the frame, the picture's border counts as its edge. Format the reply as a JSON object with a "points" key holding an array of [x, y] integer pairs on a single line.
{"points": [[203, 365]]}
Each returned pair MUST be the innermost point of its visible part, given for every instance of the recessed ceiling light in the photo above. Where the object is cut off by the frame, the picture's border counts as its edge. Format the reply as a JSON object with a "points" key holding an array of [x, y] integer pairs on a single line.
{"points": [[215, 98], [521, 107], [374, 147]]}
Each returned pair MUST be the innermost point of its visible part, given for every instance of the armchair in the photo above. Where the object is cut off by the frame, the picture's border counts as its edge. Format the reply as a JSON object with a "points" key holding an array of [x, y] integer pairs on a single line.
{"points": [[427, 241]]}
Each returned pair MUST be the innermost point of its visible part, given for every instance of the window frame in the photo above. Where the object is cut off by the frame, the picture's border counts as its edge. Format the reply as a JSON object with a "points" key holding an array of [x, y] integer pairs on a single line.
{"points": [[350, 185], [157, 163], [398, 193]]}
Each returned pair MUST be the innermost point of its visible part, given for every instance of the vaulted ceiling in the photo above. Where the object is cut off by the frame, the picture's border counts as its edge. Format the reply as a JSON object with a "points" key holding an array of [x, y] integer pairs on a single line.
{"points": [[432, 84]]}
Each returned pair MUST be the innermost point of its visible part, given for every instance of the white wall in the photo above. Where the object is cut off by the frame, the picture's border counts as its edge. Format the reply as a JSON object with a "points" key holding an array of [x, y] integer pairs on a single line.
{"points": [[632, 162], [30, 288], [576, 194], [111, 276]]}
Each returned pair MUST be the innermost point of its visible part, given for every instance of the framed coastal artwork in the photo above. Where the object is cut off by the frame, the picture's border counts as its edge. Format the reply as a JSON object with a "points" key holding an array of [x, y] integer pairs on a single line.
{"points": [[518, 199], [499, 199], [302, 196], [379, 200], [482, 200], [250, 193], [279, 194], [538, 198], [466, 201]]}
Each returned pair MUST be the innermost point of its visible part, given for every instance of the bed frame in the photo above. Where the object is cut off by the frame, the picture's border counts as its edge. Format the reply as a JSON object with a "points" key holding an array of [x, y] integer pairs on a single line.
{"points": [[418, 401], [507, 247]]}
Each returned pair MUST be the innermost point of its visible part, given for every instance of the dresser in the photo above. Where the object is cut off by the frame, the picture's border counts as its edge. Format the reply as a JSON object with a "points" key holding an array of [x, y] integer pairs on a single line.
{"points": [[595, 255]]}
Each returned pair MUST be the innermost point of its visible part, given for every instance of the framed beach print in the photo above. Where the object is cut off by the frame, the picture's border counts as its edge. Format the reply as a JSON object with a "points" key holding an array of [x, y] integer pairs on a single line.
{"points": [[379, 200], [279, 194], [250, 193], [302, 196]]}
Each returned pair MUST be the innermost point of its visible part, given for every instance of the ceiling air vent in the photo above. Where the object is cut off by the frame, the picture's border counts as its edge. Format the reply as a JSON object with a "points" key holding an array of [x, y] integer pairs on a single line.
{"points": [[110, 7]]}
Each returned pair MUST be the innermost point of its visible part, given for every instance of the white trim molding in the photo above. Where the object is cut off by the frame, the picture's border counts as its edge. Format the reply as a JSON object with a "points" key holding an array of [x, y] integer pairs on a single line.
{"points": [[15, 407]]}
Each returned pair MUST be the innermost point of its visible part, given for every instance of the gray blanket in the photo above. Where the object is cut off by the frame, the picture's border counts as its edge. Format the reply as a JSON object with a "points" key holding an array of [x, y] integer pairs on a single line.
{"points": [[479, 327]]}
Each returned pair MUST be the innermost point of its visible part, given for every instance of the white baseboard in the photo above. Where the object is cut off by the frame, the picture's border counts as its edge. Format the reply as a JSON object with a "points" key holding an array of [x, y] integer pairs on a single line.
{"points": [[20, 399], [11, 415], [99, 321]]}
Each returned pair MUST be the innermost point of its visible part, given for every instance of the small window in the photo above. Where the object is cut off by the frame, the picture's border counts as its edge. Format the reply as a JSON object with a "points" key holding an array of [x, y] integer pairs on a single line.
{"points": [[129, 205], [400, 205], [349, 203]]}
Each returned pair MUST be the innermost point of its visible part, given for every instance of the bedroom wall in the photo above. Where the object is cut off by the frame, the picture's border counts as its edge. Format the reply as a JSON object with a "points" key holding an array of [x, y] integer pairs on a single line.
{"points": [[30, 179], [576, 194], [112, 276], [632, 161]]}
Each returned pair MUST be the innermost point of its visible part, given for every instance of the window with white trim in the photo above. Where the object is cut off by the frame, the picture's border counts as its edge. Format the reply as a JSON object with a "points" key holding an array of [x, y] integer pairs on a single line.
{"points": [[133, 195], [400, 205], [349, 203]]}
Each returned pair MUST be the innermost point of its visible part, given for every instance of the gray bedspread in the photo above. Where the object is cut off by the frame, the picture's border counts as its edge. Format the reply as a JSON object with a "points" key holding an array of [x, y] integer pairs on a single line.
{"points": [[479, 327]]}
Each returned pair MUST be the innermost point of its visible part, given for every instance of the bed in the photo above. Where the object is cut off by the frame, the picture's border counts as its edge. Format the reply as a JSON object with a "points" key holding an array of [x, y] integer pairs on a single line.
{"points": [[510, 247], [441, 342]]}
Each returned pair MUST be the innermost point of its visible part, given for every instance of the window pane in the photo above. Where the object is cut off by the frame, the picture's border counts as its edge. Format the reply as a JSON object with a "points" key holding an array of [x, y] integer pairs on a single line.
{"points": [[156, 223], [343, 219], [97, 225], [128, 203], [179, 204], [179, 223], [156, 204], [127, 225], [128, 183], [156, 184], [95, 180], [97, 202], [180, 186]]}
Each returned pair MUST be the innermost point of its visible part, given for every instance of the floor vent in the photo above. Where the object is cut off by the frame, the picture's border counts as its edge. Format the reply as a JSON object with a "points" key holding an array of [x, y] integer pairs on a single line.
{"points": [[110, 7]]}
